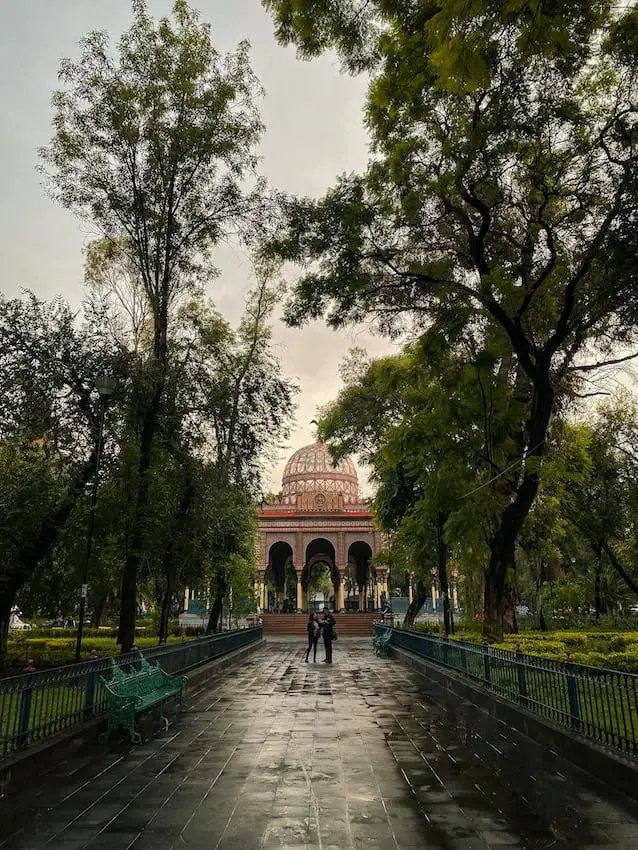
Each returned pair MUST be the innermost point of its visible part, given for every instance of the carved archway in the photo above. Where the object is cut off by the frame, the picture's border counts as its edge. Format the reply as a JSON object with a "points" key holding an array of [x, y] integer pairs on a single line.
{"points": [[359, 557], [279, 559], [320, 550]]}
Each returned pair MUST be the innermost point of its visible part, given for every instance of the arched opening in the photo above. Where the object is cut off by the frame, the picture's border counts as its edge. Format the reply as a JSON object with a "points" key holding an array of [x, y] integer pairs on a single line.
{"points": [[279, 561], [360, 581], [320, 577]]}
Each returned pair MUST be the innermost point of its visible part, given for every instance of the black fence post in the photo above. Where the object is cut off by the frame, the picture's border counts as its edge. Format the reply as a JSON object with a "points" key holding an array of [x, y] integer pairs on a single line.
{"points": [[89, 696], [446, 647], [25, 713], [463, 654], [486, 663], [520, 670], [572, 695]]}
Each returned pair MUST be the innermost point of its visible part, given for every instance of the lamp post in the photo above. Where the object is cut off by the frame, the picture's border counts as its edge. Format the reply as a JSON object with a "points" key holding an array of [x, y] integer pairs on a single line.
{"points": [[105, 385]]}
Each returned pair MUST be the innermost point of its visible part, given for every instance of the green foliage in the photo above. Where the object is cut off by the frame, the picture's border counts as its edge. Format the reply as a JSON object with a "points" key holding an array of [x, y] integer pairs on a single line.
{"points": [[48, 429], [498, 206], [157, 140]]}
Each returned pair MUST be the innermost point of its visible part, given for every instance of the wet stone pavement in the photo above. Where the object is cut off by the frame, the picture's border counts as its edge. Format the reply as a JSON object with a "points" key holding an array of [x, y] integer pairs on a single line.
{"points": [[282, 754]]}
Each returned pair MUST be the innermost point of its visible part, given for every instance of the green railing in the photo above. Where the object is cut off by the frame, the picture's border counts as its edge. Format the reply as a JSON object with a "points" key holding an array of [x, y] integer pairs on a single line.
{"points": [[35, 706], [599, 704]]}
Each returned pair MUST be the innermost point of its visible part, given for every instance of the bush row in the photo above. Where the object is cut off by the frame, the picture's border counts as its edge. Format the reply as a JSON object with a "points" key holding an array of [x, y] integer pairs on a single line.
{"points": [[56, 651], [174, 631], [595, 648]]}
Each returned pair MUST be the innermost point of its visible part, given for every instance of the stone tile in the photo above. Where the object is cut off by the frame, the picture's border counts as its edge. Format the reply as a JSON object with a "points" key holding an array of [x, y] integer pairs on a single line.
{"points": [[280, 754]]}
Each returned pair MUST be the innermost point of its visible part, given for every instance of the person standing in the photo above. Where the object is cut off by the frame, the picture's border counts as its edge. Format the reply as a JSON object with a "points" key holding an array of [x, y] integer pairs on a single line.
{"points": [[328, 631], [313, 636]]}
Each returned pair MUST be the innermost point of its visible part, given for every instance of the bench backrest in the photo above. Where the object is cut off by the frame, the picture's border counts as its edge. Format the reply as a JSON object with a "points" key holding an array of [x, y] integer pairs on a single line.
{"points": [[136, 682]]}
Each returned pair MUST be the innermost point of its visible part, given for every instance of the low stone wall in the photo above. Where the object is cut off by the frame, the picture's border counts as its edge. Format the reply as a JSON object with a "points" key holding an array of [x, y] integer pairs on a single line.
{"points": [[16, 770], [499, 717]]}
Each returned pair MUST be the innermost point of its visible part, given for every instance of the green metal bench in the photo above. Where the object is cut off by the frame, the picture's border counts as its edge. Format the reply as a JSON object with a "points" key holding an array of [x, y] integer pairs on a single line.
{"points": [[382, 643], [129, 694]]}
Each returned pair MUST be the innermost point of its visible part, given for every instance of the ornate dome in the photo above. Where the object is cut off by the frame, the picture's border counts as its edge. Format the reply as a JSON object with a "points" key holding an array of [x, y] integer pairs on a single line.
{"points": [[311, 470]]}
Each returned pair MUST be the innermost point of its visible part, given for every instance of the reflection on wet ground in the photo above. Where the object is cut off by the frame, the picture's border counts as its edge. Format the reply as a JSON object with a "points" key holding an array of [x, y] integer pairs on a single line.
{"points": [[283, 754]]}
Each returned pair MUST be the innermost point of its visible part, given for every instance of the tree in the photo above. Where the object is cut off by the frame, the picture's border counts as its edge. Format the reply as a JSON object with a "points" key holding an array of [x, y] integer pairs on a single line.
{"points": [[48, 431], [602, 504], [501, 197], [153, 149], [246, 402], [434, 423]]}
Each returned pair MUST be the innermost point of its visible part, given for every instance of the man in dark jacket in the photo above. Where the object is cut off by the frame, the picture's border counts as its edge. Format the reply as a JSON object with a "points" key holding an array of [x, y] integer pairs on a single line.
{"points": [[327, 624]]}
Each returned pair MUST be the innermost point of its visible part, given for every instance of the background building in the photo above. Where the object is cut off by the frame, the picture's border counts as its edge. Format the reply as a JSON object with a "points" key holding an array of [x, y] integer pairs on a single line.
{"points": [[319, 523]]}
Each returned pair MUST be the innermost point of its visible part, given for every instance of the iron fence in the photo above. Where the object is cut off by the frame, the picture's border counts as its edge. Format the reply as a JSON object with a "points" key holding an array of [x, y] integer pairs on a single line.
{"points": [[599, 704], [34, 706]]}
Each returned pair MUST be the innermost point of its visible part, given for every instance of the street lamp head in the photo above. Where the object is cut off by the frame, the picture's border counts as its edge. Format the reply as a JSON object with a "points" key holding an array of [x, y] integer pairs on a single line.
{"points": [[105, 385]]}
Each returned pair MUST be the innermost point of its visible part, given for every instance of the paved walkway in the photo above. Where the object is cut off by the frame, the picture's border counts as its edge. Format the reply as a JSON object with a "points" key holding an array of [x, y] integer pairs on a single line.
{"points": [[280, 754]]}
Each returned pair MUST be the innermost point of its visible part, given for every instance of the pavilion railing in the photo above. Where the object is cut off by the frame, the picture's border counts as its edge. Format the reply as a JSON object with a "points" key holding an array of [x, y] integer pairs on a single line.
{"points": [[35, 706], [599, 704]]}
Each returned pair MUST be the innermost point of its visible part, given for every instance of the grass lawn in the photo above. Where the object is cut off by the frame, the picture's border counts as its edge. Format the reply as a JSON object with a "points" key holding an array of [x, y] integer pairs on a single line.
{"points": [[61, 701], [600, 703]]}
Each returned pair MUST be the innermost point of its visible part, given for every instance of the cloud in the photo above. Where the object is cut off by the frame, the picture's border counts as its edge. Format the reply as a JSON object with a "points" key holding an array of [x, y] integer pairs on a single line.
{"points": [[313, 116]]}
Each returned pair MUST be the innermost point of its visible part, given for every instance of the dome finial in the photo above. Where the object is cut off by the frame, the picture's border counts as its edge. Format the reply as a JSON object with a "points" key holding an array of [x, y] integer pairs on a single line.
{"points": [[316, 431]]}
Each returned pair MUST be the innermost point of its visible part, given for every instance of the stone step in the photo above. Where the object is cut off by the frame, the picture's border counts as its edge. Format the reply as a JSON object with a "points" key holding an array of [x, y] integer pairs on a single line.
{"points": [[348, 625]]}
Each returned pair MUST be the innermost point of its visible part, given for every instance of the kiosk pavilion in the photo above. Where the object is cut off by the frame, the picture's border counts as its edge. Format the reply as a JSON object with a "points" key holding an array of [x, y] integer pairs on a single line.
{"points": [[319, 520]]}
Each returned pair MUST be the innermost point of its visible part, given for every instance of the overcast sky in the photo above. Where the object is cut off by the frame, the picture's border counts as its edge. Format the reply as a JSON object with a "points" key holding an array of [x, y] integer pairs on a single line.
{"points": [[314, 132]]}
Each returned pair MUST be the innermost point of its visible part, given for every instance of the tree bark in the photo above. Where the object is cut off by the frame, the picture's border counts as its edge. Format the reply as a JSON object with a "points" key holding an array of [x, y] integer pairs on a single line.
{"points": [[418, 601], [128, 603], [542, 622], [165, 613], [510, 626], [215, 612], [98, 610], [502, 545], [7, 601], [442, 554], [597, 601]]}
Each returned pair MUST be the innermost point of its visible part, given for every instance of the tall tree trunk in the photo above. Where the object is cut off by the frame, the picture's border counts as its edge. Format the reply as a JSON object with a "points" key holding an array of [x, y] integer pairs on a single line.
{"points": [[165, 613], [502, 545], [542, 622], [418, 601], [171, 569], [215, 613], [510, 626], [128, 602], [98, 610], [597, 601], [7, 601], [442, 556]]}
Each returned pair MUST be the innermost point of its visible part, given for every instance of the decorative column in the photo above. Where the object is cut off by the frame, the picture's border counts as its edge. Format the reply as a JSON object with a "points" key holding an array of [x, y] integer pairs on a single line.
{"points": [[361, 598], [261, 588], [386, 579], [340, 603], [410, 590], [299, 593], [455, 596]]}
